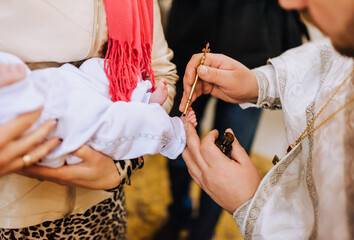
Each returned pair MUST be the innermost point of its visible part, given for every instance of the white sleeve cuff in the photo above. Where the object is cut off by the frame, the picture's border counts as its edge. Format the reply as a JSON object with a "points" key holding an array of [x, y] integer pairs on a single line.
{"points": [[239, 216], [176, 145]]}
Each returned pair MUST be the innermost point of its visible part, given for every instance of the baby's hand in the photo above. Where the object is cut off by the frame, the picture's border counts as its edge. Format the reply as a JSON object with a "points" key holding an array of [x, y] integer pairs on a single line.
{"points": [[11, 73], [190, 117]]}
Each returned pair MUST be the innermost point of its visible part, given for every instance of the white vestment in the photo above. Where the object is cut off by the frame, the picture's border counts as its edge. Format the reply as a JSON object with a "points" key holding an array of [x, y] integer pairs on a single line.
{"points": [[309, 193], [79, 99]]}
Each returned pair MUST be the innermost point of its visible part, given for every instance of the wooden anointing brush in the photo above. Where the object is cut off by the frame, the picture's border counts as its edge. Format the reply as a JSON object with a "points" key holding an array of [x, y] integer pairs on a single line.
{"points": [[205, 50]]}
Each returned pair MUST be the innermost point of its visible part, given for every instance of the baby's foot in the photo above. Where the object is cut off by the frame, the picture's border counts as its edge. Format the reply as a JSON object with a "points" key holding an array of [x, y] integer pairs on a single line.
{"points": [[160, 94], [11, 73], [190, 117]]}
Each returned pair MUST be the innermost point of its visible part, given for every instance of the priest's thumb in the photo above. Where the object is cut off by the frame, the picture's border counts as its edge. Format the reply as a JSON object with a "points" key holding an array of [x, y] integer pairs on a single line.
{"points": [[213, 75]]}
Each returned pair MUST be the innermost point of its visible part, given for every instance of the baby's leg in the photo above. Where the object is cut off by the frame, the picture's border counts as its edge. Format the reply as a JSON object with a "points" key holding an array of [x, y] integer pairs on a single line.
{"points": [[190, 117], [160, 94], [11, 73]]}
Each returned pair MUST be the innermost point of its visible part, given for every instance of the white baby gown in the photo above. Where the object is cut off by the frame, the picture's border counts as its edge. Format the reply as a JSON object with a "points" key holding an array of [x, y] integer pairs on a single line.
{"points": [[79, 99]]}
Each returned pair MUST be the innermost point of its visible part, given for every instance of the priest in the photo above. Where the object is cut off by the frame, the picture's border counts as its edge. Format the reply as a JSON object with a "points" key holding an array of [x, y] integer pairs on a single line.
{"points": [[309, 192]]}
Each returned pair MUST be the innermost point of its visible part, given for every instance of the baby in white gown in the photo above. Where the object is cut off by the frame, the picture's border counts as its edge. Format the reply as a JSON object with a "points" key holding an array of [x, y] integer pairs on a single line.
{"points": [[79, 99]]}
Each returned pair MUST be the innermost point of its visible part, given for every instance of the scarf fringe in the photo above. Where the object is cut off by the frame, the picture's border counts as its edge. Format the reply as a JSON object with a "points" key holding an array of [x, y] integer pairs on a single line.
{"points": [[124, 65]]}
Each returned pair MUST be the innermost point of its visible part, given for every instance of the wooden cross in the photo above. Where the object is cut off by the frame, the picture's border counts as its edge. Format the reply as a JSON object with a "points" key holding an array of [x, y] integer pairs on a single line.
{"points": [[206, 49]]}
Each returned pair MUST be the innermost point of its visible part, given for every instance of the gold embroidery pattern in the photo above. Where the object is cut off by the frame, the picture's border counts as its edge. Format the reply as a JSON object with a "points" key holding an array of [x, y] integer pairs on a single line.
{"points": [[310, 113], [349, 163], [240, 215], [264, 100], [282, 80], [281, 74], [266, 189], [326, 63], [263, 84]]}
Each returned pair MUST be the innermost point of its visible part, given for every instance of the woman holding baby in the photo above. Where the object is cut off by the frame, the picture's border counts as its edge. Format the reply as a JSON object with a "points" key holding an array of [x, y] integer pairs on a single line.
{"points": [[84, 200]]}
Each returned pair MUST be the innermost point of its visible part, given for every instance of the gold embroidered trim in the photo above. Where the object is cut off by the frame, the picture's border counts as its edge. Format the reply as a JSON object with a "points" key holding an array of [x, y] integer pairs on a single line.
{"points": [[266, 189]]}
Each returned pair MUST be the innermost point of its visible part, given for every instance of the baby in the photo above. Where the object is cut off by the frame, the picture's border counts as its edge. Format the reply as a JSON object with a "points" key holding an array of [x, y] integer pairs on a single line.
{"points": [[79, 99]]}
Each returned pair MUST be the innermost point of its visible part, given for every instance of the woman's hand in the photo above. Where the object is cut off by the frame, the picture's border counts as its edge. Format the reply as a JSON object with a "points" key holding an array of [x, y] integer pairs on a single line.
{"points": [[97, 171], [11, 73], [18, 150], [220, 76], [229, 182]]}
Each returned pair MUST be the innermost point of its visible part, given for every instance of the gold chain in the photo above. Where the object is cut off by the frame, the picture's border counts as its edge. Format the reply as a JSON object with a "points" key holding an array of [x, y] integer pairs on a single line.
{"points": [[306, 132]]}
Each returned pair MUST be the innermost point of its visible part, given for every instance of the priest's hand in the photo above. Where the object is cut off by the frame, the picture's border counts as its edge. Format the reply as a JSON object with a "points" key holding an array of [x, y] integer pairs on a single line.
{"points": [[220, 76], [229, 182], [96, 171]]}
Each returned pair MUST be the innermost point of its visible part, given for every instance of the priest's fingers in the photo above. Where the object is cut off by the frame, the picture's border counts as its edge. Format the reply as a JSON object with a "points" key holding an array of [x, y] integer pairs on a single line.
{"points": [[238, 153], [26, 143], [193, 169], [210, 152], [220, 61], [191, 69], [198, 90], [16, 127], [202, 87], [215, 61], [216, 76], [189, 79], [193, 145]]}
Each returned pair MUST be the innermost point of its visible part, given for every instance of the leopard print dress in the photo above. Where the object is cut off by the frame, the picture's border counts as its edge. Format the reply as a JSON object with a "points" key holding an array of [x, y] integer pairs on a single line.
{"points": [[105, 220]]}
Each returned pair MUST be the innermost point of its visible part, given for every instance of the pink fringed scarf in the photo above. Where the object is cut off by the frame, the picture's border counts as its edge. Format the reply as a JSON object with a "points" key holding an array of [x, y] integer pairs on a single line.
{"points": [[130, 34]]}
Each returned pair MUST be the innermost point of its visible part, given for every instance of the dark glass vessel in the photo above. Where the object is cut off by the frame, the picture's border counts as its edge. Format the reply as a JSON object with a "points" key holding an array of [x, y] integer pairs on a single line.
{"points": [[224, 142]]}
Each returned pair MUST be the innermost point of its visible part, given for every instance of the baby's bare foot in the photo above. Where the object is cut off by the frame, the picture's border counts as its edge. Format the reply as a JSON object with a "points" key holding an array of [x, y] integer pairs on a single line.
{"points": [[160, 94], [11, 73], [190, 117]]}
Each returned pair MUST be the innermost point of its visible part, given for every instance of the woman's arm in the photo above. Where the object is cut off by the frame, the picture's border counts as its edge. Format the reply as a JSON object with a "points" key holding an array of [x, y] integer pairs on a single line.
{"points": [[98, 171], [161, 59]]}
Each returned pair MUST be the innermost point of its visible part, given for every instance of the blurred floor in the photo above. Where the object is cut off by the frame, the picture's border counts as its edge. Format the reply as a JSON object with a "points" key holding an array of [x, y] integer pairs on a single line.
{"points": [[149, 196]]}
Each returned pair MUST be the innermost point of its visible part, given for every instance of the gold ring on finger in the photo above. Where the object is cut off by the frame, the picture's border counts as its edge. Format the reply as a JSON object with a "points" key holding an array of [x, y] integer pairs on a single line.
{"points": [[26, 160]]}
